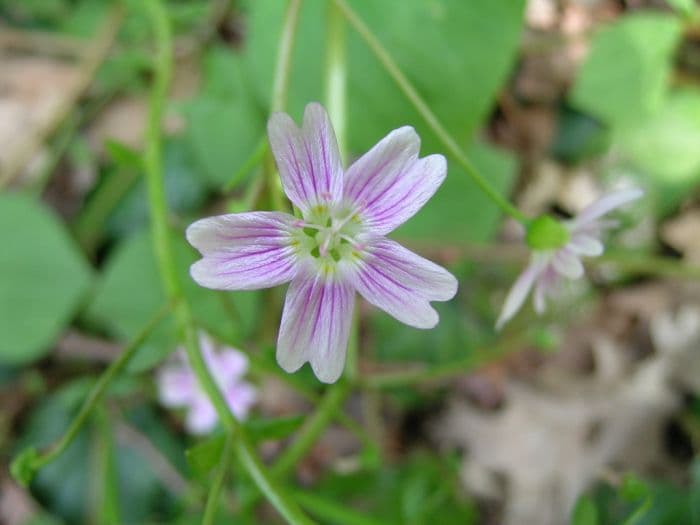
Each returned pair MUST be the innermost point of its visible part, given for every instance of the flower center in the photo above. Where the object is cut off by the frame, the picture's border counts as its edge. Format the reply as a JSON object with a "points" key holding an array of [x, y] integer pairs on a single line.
{"points": [[330, 235]]}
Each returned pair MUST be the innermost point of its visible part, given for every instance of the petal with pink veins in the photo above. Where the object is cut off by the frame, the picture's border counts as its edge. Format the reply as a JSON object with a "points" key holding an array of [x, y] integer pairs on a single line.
{"points": [[402, 283], [389, 183], [316, 325], [244, 251], [307, 159]]}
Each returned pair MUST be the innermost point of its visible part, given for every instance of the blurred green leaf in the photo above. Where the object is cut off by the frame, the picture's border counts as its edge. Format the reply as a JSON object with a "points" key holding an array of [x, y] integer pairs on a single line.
{"points": [[45, 278], [224, 123], [585, 512], [130, 290], [185, 190], [625, 77], [457, 42], [205, 455], [666, 144], [685, 7], [459, 211], [412, 493]]}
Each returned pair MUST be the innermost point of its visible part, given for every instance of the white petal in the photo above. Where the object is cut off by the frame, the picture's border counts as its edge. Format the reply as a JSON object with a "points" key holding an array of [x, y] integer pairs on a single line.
{"points": [[518, 293], [583, 244], [389, 183], [402, 283], [315, 325], [606, 204], [307, 158], [567, 263], [244, 251]]}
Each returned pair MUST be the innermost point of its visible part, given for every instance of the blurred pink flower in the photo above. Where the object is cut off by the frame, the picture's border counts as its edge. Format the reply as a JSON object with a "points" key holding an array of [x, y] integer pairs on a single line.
{"points": [[547, 267], [338, 247], [178, 386]]}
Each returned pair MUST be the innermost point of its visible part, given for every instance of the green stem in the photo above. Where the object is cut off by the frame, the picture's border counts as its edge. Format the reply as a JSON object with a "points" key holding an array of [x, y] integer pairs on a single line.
{"points": [[326, 410], [280, 83], [255, 158], [215, 492], [332, 512], [446, 371], [336, 75], [99, 389], [166, 263], [308, 434], [280, 89], [430, 118], [107, 511]]}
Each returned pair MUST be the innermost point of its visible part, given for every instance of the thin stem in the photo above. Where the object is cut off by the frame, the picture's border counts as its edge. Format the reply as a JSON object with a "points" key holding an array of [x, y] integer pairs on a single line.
{"points": [[336, 75], [280, 83], [216, 487], [309, 433], [326, 410], [332, 512], [107, 511], [255, 158], [166, 263], [99, 389], [430, 118], [280, 89], [446, 371]]}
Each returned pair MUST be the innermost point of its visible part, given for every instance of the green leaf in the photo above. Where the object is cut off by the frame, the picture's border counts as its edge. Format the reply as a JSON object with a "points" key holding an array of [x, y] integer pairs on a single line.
{"points": [[457, 43], [224, 124], [685, 7], [205, 455], [277, 428], [185, 190], [123, 156], [585, 512], [22, 466], [45, 278], [130, 291], [222, 135], [459, 211], [625, 76], [665, 146]]}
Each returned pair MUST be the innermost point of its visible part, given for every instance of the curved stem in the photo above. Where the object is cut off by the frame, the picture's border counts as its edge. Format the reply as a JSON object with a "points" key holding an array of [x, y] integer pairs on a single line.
{"points": [[220, 475], [166, 263], [99, 389], [280, 89], [430, 118]]}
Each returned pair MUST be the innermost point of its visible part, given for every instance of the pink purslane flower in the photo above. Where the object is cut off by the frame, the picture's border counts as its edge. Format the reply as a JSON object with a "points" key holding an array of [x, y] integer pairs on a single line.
{"points": [[178, 386], [566, 242], [338, 247]]}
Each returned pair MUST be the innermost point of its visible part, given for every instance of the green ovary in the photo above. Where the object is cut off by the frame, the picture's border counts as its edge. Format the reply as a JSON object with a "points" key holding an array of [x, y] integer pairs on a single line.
{"points": [[328, 236]]}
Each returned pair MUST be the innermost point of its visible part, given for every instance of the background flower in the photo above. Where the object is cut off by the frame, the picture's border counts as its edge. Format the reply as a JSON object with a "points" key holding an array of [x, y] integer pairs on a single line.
{"points": [[580, 237], [178, 386]]}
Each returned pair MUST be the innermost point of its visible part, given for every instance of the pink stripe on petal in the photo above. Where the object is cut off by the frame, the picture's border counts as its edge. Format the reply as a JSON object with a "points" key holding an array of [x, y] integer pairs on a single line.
{"points": [[244, 251], [402, 283], [606, 204], [308, 159], [315, 326], [389, 183]]}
